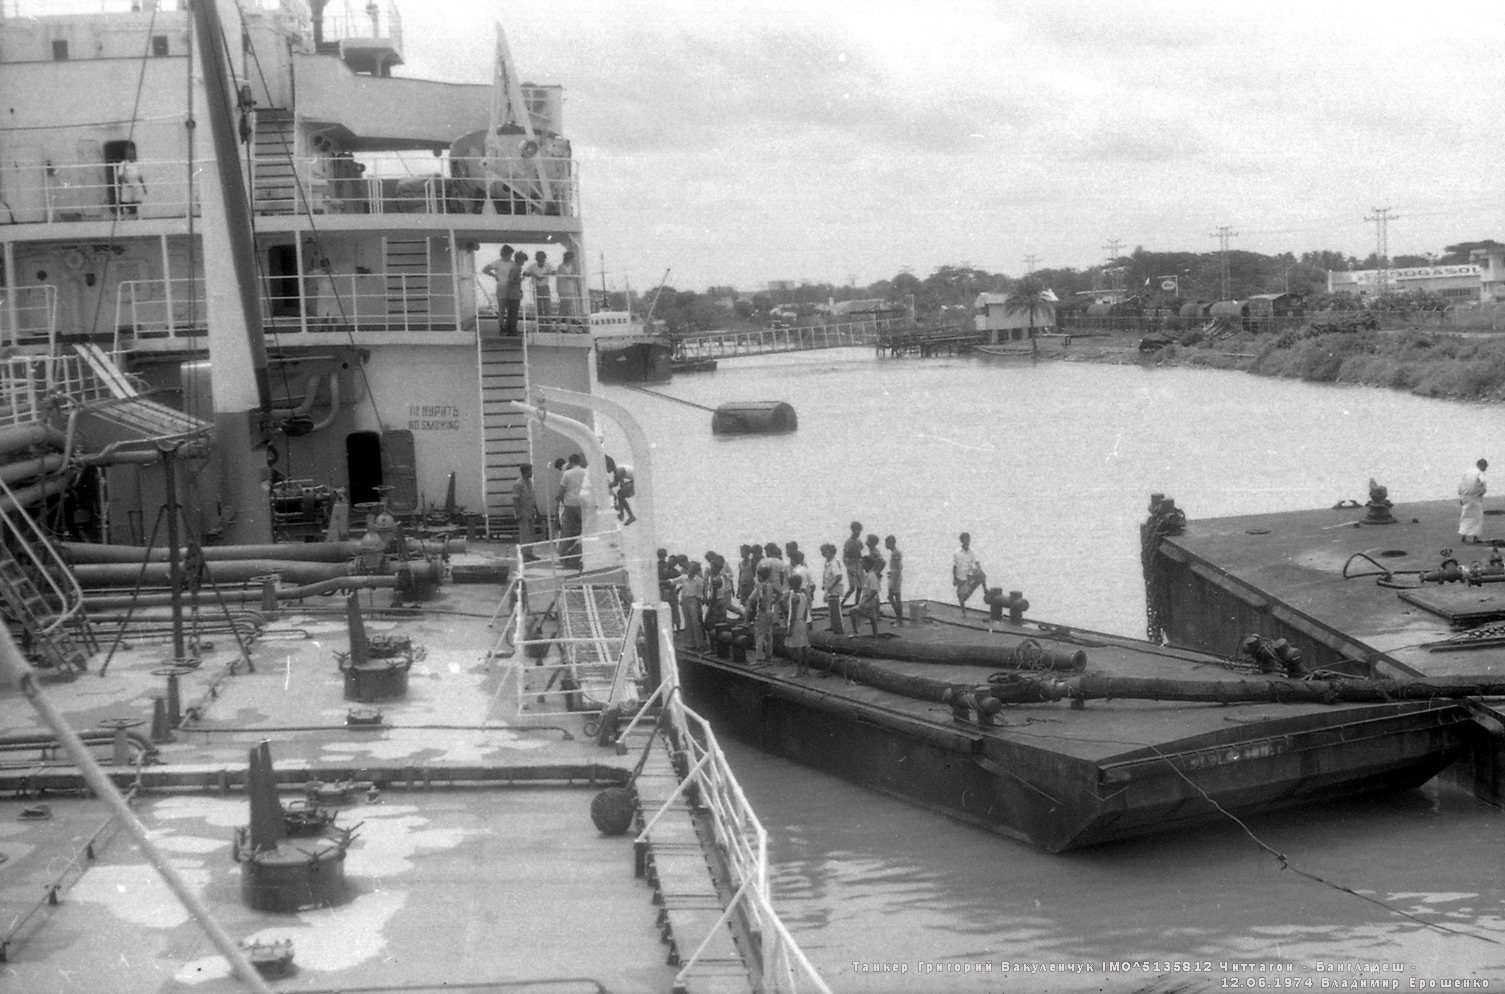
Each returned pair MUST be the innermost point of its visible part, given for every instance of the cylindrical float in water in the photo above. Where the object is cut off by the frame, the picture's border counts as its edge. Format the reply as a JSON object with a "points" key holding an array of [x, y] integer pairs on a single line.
{"points": [[754, 417]]}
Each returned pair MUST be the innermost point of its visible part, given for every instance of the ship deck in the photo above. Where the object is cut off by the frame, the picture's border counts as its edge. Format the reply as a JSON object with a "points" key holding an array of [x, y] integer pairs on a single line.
{"points": [[476, 861]]}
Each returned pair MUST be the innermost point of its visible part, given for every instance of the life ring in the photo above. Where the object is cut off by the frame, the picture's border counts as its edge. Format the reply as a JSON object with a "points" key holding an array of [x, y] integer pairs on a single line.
{"points": [[528, 149], [73, 260]]}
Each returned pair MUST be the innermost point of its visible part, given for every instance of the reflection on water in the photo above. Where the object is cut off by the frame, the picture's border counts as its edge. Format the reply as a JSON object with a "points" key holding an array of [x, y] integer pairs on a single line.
{"points": [[1050, 468]]}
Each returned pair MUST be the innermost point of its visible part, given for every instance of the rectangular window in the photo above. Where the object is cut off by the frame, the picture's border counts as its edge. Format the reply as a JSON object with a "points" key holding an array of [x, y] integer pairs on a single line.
{"points": [[59, 50], [159, 45]]}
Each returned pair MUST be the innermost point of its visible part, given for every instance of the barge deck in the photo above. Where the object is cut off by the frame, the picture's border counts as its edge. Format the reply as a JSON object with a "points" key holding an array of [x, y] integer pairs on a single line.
{"points": [[1382, 589], [1057, 775]]}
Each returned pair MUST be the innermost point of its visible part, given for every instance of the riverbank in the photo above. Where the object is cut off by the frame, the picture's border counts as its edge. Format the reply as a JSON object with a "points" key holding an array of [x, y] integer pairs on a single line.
{"points": [[1444, 365]]}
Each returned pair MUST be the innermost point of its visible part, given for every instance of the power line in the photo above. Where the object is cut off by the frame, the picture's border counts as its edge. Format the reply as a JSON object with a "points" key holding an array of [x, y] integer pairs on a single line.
{"points": [[1223, 233]]}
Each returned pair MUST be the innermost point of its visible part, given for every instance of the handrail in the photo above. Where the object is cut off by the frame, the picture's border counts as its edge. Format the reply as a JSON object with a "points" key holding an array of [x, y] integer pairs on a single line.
{"points": [[766, 341], [28, 314], [62, 192], [738, 832], [736, 827], [69, 597]]}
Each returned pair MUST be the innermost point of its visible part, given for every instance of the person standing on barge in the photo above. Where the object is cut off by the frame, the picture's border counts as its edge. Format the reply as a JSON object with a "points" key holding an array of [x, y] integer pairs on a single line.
{"points": [[1471, 504], [966, 572], [763, 606], [832, 582], [895, 578], [851, 558], [691, 605], [797, 624]]}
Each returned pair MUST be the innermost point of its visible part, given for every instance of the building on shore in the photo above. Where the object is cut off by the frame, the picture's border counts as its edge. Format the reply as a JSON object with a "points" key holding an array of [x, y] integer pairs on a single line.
{"points": [[1458, 283]]}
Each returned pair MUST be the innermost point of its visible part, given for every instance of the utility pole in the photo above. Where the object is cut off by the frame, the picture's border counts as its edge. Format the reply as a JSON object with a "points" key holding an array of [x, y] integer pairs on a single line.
{"points": [[1223, 233], [1382, 218], [1114, 244], [1029, 264]]}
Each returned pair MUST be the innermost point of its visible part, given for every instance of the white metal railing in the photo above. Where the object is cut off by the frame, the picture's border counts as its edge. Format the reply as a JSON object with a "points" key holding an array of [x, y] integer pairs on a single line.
{"points": [[340, 184], [589, 663], [321, 301], [52, 191], [28, 314], [51, 576], [366, 21], [31, 384], [739, 835], [725, 345]]}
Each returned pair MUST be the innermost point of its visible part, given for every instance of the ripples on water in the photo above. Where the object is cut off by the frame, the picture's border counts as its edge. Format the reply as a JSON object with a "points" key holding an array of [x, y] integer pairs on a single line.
{"points": [[1050, 469]]}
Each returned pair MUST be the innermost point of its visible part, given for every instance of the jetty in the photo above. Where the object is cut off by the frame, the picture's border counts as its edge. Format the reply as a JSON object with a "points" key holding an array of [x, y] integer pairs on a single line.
{"points": [[889, 338]]}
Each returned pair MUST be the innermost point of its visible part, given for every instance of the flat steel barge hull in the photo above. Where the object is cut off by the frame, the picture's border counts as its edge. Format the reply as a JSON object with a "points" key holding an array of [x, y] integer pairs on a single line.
{"points": [[1060, 777]]}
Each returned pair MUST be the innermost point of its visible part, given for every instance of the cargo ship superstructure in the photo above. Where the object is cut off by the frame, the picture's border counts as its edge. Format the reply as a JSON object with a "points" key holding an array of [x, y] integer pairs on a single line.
{"points": [[374, 201]]}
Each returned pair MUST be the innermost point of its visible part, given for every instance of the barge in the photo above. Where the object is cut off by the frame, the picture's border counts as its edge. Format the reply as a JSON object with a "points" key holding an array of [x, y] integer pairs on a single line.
{"points": [[1377, 588], [1071, 772]]}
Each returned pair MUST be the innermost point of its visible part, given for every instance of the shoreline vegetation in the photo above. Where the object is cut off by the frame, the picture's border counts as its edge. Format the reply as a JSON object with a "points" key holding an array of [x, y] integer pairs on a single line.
{"points": [[1442, 363]]}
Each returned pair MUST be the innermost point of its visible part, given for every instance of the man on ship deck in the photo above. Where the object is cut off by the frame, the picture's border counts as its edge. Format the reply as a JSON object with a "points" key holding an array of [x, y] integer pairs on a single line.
{"points": [[1471, 504]]}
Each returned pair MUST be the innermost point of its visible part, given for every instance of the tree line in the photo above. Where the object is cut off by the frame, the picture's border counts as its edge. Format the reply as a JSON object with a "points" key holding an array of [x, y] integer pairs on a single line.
{"points": [[950, 291]]}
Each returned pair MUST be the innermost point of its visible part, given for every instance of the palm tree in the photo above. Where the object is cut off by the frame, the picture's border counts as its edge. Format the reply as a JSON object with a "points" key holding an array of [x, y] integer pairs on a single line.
{"points": [[1033, 298]]}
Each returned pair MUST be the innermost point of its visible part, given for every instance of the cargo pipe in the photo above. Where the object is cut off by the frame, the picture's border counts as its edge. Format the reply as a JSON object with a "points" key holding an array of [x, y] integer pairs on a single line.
{"points": [[13, 439], [34, 494], [116, 602], [44, 740], [231, 571], [309, 552]]}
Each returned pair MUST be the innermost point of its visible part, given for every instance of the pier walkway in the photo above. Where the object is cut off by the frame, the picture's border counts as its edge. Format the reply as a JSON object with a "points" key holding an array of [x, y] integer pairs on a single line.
{"points": [[892, 338]]}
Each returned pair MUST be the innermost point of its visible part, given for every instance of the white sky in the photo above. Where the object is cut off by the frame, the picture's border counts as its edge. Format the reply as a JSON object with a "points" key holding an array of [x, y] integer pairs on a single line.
{"points": [[738, 142]]}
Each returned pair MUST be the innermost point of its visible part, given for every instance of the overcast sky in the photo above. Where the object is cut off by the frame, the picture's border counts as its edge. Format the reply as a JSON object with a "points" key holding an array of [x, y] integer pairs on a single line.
{"points": [[740, 142]]}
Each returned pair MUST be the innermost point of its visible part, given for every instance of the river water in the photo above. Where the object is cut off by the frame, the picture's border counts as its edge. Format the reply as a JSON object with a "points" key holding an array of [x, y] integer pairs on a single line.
{"points": [[1050, 467]]}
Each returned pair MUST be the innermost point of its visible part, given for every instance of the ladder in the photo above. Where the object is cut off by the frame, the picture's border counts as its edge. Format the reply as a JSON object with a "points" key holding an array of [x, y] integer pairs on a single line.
{"points": [[503, 379], [274, 182], [407, 283]]}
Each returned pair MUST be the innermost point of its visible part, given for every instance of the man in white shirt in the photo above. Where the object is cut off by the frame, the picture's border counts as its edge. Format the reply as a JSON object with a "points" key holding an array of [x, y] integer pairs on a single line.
{"points": [[573, 487], [1471, 504], [966, 572], [538, 273]]}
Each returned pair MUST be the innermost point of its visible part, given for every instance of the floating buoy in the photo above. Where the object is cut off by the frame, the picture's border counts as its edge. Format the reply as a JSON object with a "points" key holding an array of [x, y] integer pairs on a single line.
{"points": [[754, 417]]}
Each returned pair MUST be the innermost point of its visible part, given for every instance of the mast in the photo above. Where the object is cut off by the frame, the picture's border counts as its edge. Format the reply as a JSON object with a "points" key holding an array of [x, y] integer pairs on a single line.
{"points": [[238, 370]]}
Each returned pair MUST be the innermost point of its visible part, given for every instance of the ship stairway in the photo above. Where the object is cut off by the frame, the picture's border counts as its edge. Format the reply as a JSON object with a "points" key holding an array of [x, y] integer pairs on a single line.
{"points": [[569, 639], [407, 282], [503, 379], [120, 415], [41, 600], [274, 178]]}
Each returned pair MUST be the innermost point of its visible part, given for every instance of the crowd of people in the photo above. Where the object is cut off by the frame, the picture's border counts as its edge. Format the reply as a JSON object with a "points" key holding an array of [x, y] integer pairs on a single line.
{"points": [[555, 289], [774, 587]]}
